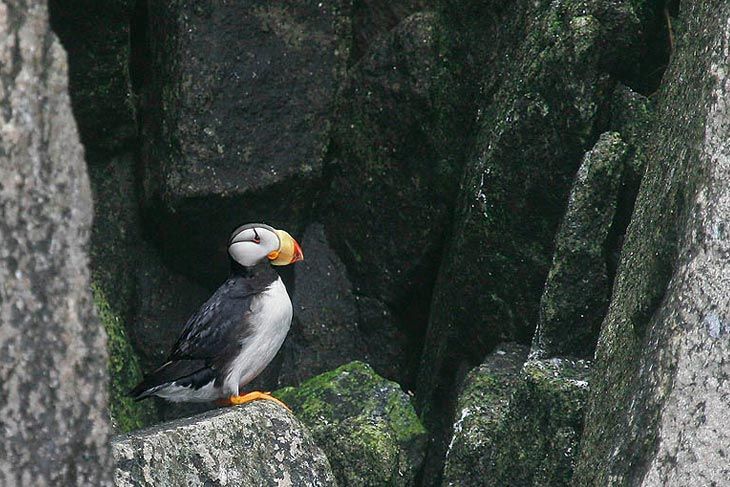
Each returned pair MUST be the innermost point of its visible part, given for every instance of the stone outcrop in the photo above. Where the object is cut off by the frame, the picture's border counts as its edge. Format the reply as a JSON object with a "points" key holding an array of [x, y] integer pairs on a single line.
{"points": [[259, 444], [480, 410], [538, 108], [576, 293], [541, 102], [53, 395], [518, 423], [365, 424], [659, 403]]}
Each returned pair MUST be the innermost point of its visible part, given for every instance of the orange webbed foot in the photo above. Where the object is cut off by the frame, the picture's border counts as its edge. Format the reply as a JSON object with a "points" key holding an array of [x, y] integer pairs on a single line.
{"points": [[251, 396]]}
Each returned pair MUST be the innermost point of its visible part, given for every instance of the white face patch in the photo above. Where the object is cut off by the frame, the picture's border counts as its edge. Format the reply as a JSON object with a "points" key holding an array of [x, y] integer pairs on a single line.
{"points": [[252, 245]]}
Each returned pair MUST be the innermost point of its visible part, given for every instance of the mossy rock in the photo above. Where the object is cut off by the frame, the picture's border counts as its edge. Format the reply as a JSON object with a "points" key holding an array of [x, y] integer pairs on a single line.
{"points": [[124, 371], [365, 424], [578, 286], [518, 424]]}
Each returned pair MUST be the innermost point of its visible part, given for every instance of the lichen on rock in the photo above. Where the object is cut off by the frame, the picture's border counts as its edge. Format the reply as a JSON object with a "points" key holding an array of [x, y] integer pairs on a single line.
{"points": [[365, 424], [258, 444], [517, 424]]}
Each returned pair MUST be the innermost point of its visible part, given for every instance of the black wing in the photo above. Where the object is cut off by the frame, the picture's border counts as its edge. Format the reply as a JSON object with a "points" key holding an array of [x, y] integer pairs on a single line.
{"points": [[186, 373], [209, 340], [219, 324]]}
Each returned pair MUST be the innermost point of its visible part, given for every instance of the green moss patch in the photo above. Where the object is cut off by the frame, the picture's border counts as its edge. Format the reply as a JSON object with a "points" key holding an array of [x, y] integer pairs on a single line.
{"points": [[124, 371], [365, 424], [518, 424]]}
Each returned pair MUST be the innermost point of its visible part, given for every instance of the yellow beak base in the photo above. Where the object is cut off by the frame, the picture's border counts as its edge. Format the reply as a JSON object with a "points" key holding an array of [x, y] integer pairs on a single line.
{"points": [[289, 250]]}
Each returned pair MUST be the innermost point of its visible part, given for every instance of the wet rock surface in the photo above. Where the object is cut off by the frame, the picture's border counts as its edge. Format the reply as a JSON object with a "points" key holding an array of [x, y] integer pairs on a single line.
{"points": [[53, 392], [259, 443], [365, 424]]}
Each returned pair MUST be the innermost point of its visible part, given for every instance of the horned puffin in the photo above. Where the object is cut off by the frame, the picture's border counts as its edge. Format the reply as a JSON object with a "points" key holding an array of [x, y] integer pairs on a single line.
{"points": [[238, 331]]}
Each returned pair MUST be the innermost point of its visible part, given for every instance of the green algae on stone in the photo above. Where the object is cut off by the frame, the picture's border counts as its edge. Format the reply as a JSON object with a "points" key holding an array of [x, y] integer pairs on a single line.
{"points": [[517, 424], [124, 371], [653, 354], [576, 294], [353, 409], [480, 409], [537, 121]]}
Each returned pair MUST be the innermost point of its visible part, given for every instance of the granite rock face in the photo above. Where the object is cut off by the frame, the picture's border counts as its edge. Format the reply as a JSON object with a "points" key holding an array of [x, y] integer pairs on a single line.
{"points": [[518, 424], [258, 444], [658, 406], [99, 38], [365, 424], [577, 289], [53, 395], [238, 108]]}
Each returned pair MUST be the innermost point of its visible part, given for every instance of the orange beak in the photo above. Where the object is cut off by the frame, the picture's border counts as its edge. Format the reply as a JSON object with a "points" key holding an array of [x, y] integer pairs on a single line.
{"points": [[289, 250]]}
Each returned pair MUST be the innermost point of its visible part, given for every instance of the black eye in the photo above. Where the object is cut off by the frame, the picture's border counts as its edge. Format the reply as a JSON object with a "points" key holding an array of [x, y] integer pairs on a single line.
{"points": [[256, 238]]}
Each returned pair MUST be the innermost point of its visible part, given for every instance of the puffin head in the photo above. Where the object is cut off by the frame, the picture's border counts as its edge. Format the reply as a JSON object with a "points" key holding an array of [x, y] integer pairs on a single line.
{"points": [[254, 243]]}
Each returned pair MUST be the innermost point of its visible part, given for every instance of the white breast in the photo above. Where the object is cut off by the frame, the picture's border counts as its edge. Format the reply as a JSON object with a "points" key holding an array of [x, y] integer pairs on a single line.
{"points": [[271, 313]]}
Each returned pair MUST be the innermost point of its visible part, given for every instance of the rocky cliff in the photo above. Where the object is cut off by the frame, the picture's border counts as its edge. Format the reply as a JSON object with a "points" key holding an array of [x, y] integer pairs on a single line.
{"points": [[514, 218]]}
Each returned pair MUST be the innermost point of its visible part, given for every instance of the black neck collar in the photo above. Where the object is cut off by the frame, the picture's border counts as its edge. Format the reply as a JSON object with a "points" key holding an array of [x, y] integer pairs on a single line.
{"points": [[260, 269]]}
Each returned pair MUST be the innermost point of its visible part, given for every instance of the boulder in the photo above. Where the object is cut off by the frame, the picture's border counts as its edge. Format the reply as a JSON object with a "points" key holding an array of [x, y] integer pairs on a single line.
{"points": [[538, 112], [518, 424], [658, 407], [394, 170], [365, 424], [238, 109], [631, 116], [259, 444], [577, 289], [53, 392], [480, 411]]}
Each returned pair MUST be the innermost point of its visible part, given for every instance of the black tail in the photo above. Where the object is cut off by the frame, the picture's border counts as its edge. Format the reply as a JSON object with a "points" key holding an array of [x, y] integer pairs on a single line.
{"points": [[193, 373]]}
